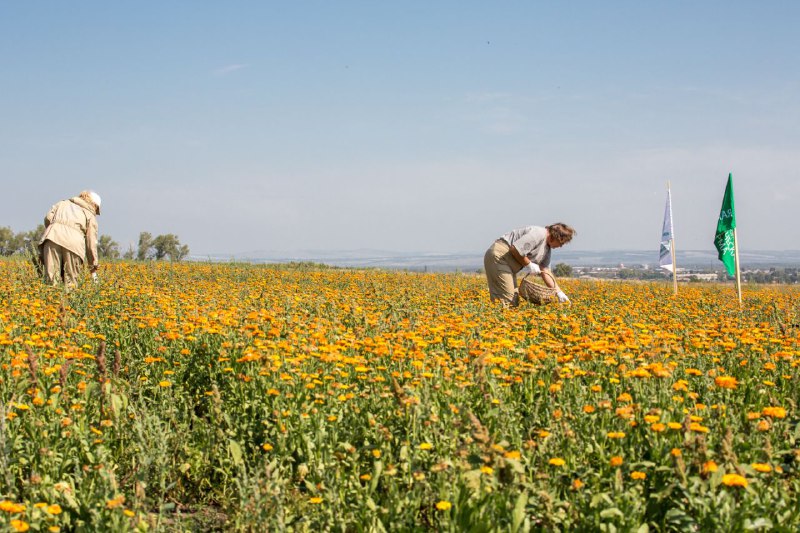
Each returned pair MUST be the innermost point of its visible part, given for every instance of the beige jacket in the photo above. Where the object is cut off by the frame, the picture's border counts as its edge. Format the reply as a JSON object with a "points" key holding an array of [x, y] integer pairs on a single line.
{"points": [[73, 225]]}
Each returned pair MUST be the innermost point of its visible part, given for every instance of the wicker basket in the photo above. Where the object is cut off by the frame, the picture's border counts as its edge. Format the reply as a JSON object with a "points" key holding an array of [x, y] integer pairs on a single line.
{"points": [[537, 293]]}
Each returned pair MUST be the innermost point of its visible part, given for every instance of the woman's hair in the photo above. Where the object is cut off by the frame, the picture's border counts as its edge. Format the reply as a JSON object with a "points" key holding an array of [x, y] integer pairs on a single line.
{"points": [[561, 232], [86, 196]]}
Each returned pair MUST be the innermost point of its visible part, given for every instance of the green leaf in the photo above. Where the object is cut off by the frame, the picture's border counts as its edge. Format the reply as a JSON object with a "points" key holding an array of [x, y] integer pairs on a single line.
{"points": [[519, 511], [611, 513], [235, 451]]}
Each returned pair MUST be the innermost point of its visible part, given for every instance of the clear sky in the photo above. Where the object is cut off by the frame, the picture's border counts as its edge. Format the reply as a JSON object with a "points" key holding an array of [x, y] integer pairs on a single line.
{"points": [[403, 126]]}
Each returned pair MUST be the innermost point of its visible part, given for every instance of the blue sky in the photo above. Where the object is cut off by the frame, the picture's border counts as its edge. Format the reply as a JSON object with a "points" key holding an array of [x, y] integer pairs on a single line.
{"points": [[403, 126]]}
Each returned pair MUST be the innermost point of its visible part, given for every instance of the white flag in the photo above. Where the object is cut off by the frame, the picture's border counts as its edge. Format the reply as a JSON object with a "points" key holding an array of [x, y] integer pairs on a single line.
{"points": [[665, 255]]}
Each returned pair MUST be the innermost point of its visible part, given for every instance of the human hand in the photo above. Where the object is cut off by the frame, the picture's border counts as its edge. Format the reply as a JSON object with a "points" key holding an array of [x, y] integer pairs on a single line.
{"points": [[562, 297], [531, 268]]}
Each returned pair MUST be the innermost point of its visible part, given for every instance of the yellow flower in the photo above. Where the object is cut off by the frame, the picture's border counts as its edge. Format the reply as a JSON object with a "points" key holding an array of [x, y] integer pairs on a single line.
{"points": [[675, 452], [726, 382], [315, 500], [616, 435], [557, 461], [54, 509], [710, 467], [444, 505], [513, 454], [577, 484], [11, 507], [761, 467], [638, 475], [19, 525], [616, 461], [267, 447], [734, 480], [774, 412], [487, 470], [376, 454], [425, 446], [116, 502], [658, 427], [164, 383]]}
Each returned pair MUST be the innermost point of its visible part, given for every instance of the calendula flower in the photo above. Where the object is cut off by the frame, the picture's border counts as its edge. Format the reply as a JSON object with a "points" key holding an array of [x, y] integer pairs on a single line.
{"points": [[11, 507], [761, 467], [710, 467], [616, 435], [615, 461], [444, 505], [115, 502], [19, 525], [638, 475], [557, 461], [726, 382], [315, 500], [425, 446], [734, 480], [774, 412]]}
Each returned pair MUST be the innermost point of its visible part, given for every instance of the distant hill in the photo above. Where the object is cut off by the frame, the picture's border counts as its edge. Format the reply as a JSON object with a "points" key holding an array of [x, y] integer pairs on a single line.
{"points": [[471, 261]]}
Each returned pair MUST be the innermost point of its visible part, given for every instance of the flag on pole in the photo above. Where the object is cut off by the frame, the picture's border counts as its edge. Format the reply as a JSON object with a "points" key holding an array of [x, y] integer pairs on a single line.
{"points": [[665, 254], [724, 239]]}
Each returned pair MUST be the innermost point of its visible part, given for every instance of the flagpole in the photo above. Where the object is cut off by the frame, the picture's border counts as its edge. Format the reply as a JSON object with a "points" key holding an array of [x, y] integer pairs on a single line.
{"points": [[736, 264]]}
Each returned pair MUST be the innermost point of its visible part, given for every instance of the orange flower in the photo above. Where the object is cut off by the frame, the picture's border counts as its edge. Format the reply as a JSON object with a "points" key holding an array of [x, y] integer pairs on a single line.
{"points": [[734, 480]]}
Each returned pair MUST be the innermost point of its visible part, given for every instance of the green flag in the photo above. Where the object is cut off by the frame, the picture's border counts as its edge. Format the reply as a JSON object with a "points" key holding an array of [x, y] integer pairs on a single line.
{"points": [[725, 225]]}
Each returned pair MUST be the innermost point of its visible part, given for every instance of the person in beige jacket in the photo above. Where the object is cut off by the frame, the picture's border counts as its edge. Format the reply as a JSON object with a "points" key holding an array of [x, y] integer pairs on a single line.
{"points": [[70, 239]]}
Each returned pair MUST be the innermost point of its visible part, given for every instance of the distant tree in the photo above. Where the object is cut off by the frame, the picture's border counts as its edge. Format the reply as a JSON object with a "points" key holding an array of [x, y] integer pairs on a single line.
{"points": [[562, 270], [170, 246], [9, 242], [130, 253], [183, 252], [30, 239], [145, 244], [107, 248]]}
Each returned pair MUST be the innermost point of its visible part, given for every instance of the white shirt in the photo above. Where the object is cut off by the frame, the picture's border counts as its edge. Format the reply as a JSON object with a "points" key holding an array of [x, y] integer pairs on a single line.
{"points": [[530, 241]]}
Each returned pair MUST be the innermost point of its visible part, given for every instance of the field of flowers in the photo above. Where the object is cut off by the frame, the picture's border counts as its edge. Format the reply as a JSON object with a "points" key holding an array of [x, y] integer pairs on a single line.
{"points": [[174, 397]]}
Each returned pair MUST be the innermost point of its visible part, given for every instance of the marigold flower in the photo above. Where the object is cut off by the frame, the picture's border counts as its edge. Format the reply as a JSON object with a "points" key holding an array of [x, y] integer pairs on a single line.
{"points": [[315, 500], [726, 382], [19, 525], [425, 446], [638, 475], [774, 412], [11, 507], [557, 461], [761, 467], [616, 435], [616, 461], [710, 467], [443, 505], [734, 480]]}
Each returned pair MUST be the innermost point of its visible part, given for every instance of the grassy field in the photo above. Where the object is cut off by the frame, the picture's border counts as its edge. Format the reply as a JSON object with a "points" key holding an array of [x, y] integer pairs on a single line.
{"points": [[174, 397]]}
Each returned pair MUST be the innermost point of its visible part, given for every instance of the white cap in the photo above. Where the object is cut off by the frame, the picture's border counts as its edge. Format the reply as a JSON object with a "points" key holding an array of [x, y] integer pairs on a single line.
{"points": [[96, 199]]}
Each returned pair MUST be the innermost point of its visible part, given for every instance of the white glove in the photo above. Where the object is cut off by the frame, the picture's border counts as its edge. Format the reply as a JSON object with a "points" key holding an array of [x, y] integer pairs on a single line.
{"points": [[531, 268], [562, 297]]}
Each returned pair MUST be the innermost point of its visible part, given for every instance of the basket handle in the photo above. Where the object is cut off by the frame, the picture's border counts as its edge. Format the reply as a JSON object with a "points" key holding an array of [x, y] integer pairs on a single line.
{"points": [[543, 272]]}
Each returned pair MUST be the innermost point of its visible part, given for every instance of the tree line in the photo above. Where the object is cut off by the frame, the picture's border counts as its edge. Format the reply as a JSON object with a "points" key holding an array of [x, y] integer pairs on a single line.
{"points": [[149, 247]]}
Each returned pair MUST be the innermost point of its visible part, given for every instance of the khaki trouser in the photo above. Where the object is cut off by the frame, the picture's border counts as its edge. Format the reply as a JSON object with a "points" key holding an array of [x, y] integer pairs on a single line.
{"points": [[60, 264], [501, 273]]}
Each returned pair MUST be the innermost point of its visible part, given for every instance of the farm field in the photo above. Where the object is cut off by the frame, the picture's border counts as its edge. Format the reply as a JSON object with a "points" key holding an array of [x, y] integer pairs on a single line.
{"points": [[188, 396]]}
